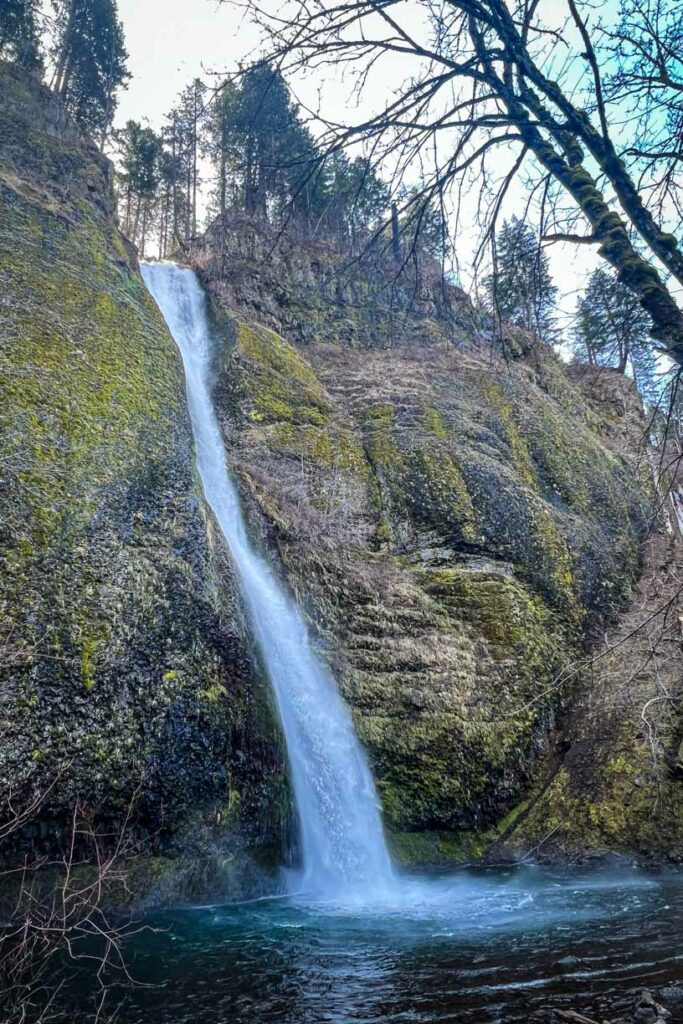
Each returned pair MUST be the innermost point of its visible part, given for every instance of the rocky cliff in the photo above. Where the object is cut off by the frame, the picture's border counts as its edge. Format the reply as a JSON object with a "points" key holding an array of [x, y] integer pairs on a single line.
{"points": [[458, 517], [125, 669]]}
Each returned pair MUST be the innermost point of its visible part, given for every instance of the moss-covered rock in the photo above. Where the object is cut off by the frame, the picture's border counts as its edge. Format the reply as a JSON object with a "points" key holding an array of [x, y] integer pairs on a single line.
{"points": [[615, 782], [125, 666], [453, 527]]}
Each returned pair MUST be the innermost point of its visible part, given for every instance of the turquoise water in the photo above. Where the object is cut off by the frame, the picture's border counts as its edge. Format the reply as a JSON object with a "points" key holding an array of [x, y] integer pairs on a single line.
{"points": [[471, 946]]}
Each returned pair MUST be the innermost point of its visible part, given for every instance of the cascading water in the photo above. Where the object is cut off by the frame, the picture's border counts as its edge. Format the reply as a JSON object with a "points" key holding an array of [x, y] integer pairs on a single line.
{"points": [[342, 843]]}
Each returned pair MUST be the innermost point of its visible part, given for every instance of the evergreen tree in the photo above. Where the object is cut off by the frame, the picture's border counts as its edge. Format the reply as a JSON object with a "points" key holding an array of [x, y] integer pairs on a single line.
{"points": [[172, 200], [520, 291], [264, 144], [19, 32], [176, 170], [216, 144], [189, 119], [612, 329], [267, 162], [141, 175], [347, 200], [365, 201], [422, 226], [90, 62]]}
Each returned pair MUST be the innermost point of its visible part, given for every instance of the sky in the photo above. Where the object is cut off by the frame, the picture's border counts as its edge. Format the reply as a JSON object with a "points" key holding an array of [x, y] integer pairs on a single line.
{"points": [[172, 41]]}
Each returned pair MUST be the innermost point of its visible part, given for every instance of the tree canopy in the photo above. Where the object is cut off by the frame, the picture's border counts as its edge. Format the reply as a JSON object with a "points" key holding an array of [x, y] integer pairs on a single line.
{"points": [[90, 61], [520, 289], [19, 32], [494, 89], [611, 329]]}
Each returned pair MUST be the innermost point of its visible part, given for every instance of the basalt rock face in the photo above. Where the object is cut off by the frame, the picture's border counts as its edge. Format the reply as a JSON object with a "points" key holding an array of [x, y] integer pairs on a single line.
{"points": [[613, 780], [456, 524], [309, 292], [125, 666]]}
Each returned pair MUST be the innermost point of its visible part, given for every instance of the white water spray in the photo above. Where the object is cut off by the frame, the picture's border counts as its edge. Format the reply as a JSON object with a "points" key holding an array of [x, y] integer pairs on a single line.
{"points": [[342, 843]]}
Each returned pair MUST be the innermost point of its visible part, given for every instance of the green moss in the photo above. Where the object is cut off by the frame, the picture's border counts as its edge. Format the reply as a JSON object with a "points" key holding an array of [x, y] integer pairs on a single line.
{"points": [[500, 606], [552, 553], [88, 662], [379, 422], [435, 767], [427, 849], [383, 534], [84, 409], [519, 451], [435, 849], [438, 496], [623, 808], [280, 385], [423, 483], [214, 694], [330, 446], [433, 423]]}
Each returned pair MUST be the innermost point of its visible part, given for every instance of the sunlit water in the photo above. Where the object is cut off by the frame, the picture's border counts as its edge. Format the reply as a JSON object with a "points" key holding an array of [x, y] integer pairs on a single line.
{"points": [[342, 843], [470, 947]]}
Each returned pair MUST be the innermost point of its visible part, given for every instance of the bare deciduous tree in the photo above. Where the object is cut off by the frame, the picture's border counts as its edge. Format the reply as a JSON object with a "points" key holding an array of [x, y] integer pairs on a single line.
{"points": [[56, 914], [520, 84]]}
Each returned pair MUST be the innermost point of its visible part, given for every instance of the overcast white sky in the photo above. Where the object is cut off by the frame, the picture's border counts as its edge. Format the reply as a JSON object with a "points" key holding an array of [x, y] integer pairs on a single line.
{"points": [[172, 41]]}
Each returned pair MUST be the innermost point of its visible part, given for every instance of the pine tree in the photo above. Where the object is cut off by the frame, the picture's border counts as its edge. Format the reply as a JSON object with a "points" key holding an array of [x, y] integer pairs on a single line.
{"points": [[141, 175], [90, 62], [520, 291], [347, 200], [259, 140], [176, 173], [19, 33], [365, 201], [267, 162], [172, 199], [220, 145], [612, 329], [188, 119]]}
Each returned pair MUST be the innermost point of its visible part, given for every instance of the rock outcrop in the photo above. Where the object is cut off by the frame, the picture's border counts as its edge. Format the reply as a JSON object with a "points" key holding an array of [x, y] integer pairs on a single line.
{"points": [[458, 521], [125, 668]]}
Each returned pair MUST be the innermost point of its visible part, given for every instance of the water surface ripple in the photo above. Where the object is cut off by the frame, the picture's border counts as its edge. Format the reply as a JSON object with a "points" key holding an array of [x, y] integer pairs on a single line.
{"points": [[472, 946]]}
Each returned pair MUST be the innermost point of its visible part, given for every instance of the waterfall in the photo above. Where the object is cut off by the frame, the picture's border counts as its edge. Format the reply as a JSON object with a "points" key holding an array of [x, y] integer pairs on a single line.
{"points": [[342, 843]]}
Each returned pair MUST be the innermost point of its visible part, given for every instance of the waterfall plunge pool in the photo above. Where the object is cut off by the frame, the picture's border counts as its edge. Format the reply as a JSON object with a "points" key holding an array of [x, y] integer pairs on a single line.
{"points": [[491, 945]]}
